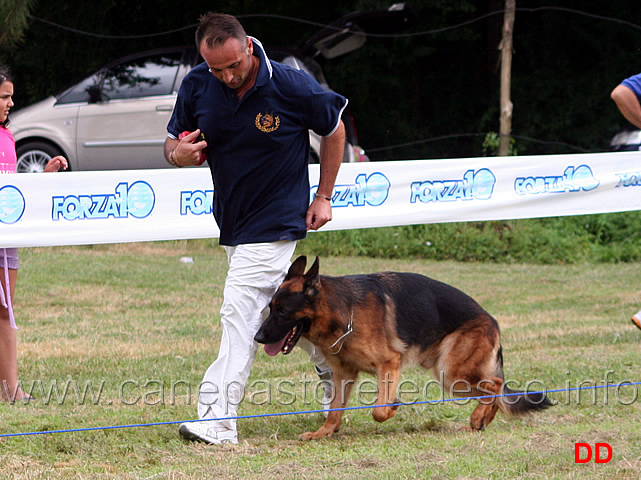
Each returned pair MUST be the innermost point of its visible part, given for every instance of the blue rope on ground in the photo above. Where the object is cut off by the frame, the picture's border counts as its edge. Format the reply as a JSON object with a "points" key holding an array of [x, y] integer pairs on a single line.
{"points": [[244, 417]]}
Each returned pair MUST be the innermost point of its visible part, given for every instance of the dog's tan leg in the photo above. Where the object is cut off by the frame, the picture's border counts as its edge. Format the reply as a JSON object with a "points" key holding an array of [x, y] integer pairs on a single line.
{"points": [[388, 376], [343, 383], [469, 367], [484, 413], [471, 385]]}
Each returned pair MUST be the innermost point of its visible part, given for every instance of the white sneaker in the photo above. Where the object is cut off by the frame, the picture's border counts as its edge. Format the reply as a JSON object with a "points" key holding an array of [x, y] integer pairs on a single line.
{"points": [[208, 433]]}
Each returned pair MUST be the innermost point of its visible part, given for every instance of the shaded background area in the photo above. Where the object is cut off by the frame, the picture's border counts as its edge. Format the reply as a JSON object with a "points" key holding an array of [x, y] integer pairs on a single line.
{"points": [[429, 92]]}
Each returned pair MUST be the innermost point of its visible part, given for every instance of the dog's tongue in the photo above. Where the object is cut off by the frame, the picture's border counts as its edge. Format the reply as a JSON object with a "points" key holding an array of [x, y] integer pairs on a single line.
{"points": [[273, 349]]}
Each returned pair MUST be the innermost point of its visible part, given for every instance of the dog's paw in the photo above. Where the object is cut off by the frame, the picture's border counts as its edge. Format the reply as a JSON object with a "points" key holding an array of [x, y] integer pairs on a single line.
{"points": [[314, 435], [468, 429], [381, 414]]}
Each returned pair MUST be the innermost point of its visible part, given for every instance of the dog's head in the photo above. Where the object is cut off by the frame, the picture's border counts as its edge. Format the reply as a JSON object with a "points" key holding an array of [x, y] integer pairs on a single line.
{"points": [[291, 310]]}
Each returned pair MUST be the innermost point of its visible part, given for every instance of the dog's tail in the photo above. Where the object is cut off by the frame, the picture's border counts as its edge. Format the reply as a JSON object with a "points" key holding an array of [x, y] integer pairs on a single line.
{"points": [[516, 402]]}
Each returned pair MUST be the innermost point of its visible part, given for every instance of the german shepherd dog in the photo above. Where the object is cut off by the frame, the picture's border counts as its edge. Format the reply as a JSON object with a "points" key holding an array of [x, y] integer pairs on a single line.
{"points": [[383, 322]]}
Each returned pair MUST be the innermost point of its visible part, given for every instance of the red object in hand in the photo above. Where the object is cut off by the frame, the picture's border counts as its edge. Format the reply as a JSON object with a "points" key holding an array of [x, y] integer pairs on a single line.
{"points": [[203, 154]]}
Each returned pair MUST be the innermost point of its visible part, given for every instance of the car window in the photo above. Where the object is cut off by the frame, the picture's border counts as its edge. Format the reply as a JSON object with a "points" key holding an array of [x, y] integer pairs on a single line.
{"points": [[144, 77], [79, 93]]}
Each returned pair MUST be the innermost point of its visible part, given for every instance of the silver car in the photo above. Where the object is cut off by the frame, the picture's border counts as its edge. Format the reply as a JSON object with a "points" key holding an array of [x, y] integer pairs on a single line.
{"points": [[117, 117], [114, 119]]}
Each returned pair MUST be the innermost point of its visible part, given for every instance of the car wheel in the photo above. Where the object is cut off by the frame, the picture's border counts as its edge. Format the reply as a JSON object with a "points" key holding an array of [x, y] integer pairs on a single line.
{"points": [[34, 156]]}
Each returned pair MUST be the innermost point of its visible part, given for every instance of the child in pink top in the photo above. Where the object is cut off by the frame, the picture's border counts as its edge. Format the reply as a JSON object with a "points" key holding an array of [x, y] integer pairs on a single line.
{"points": [[10, 389], [7, 151]]}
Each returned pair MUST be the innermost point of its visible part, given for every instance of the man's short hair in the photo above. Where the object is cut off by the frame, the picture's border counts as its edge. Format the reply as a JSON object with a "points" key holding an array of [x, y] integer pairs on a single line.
{"points": [[216, 28]]}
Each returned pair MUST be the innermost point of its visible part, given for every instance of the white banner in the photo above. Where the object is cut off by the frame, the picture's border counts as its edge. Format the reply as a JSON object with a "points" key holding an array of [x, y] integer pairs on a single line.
{"points": [[73, 208]]}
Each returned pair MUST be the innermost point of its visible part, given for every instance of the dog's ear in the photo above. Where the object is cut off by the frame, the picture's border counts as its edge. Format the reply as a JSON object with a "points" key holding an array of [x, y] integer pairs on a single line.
{"points": [[298, 268], [312, 279], [314, 269]]}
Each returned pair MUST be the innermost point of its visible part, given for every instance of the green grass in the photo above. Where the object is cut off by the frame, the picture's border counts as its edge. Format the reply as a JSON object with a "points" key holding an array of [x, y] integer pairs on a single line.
{"points": [[134, 321]]}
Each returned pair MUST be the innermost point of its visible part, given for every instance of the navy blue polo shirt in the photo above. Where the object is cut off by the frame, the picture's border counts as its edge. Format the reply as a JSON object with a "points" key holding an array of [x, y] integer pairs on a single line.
{"points": [[258, 148]]}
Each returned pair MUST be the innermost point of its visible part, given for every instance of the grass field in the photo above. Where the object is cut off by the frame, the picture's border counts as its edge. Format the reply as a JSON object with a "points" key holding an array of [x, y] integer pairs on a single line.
{"points": [[121, 335]]}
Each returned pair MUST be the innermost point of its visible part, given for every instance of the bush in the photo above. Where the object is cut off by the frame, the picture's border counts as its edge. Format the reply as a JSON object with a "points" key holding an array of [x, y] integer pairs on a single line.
{"points": [[612, 237]]}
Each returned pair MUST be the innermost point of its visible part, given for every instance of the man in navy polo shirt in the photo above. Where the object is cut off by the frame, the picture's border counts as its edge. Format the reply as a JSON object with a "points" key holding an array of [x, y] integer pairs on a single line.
{"points": [[255, 116], [627, 96]]}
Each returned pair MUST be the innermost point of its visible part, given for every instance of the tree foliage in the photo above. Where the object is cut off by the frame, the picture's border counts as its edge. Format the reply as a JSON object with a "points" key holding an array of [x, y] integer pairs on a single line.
{"points": [[432, 92], [14, 19]]}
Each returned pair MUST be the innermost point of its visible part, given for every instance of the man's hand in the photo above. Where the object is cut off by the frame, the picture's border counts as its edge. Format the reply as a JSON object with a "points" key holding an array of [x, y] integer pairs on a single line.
{"points": [[318, 213], [201, 137], [189, 151]]}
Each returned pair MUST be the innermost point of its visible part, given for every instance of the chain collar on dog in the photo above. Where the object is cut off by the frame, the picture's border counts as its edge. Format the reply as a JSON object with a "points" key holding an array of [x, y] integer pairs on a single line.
{"points": [[342, 337]]}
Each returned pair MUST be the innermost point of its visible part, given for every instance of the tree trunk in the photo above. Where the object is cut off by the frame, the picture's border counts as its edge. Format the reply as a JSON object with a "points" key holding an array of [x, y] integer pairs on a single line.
{"points": [[506, 67]]}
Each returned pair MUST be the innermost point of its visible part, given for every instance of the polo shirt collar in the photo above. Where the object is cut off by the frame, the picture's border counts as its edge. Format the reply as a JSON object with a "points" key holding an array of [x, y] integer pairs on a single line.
{"points": [[265, 68]]}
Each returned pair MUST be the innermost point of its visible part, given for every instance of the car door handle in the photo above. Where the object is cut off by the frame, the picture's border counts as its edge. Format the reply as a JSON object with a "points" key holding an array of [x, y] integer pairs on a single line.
{"points": [[164, 108]]}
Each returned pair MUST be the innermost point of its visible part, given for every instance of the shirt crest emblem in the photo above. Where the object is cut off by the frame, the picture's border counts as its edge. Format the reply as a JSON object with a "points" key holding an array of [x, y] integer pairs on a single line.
{"points": [[267, 122]]}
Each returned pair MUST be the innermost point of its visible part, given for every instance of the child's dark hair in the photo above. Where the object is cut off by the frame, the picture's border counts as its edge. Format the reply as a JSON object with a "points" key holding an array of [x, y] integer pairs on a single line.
{"points": [[5, 76]]}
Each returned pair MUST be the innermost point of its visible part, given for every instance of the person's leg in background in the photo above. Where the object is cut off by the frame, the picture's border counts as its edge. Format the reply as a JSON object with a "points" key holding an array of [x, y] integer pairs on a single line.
{"points": [[9, 388]]}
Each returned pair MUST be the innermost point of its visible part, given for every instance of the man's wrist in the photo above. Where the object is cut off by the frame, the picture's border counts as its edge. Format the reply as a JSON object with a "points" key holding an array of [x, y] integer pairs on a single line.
{"points": [[172, 159], [318, 195]]}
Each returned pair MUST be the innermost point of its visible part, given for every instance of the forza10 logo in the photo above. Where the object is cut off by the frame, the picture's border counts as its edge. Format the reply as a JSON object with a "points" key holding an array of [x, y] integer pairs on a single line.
{"points": [[475, 185], [136, 200]]}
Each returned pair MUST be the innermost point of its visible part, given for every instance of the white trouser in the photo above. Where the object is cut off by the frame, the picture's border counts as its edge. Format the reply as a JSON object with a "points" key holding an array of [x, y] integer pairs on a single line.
{"points": [[255, 272]]}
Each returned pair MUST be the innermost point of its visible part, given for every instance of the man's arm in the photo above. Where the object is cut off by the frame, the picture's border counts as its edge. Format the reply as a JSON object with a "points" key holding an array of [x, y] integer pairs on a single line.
{"points": [[331, 156], [628, 104]]}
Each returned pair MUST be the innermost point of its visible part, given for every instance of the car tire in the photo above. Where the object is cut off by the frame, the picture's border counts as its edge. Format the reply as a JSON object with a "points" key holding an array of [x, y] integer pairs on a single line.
{"points": [[34, 156]]}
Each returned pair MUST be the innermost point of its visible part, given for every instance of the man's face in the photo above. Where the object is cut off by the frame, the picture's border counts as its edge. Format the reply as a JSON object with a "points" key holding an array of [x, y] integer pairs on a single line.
{"points": [[229, 63]]}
